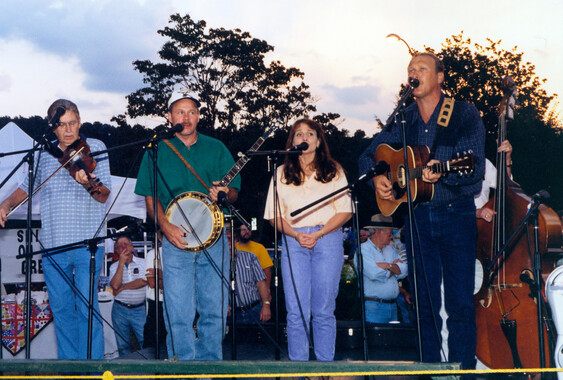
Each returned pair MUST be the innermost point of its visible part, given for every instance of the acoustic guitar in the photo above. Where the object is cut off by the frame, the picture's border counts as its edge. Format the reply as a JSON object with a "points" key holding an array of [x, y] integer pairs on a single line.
{"points": [[421, 191]]}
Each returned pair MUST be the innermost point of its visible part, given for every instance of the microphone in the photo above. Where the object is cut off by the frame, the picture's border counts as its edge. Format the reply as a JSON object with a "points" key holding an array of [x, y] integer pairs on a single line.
{"points": [[52, 149], [299, 148], [170, 132], [540, 196], [413, 82], [136, 227], [54, 121], [380, 168], [222, 199]]}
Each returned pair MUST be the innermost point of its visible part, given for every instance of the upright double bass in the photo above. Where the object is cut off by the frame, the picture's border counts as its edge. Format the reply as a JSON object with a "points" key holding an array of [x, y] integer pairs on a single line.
{"points": [[505, 308]]}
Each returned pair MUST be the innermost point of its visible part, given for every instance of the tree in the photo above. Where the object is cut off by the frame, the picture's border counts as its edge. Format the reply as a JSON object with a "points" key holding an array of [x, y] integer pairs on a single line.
{"points": [[226, 69], [474, 73]]}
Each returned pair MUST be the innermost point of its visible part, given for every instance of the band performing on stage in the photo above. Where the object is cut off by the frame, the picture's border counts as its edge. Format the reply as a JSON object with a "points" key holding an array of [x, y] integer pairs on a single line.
{"points": [[440, 254]]}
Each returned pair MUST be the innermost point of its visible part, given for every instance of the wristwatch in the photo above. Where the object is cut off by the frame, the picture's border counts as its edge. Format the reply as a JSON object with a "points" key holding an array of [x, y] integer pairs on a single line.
{"points": [[266, 303]]}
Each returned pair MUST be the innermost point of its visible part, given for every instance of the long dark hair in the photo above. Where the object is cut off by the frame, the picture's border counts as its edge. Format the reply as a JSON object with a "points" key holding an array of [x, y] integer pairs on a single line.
{"points": [[325, 166]]}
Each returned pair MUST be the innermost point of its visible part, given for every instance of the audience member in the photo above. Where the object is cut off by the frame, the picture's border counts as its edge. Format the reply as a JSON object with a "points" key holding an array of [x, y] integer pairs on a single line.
{"points": [[252, 293], [128, 283], [243, 236], [382, 268]]}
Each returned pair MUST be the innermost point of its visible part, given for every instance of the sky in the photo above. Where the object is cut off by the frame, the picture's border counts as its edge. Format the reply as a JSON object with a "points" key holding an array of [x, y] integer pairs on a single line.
{"points": [[83, 50]]}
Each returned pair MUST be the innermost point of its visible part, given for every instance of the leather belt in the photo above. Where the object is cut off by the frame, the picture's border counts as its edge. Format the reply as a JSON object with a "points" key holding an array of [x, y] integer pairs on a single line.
{"points": [[129, 306], [379, 300], [249, 306]]}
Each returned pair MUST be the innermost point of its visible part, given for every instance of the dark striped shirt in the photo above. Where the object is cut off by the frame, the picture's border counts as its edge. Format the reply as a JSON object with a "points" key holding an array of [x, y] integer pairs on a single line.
{"points": [[248, 273], [465, 132]]}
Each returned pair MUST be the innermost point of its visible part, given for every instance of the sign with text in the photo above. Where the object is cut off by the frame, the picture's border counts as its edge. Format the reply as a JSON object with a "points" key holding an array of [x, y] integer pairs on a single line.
{"points": [[12, 244]]}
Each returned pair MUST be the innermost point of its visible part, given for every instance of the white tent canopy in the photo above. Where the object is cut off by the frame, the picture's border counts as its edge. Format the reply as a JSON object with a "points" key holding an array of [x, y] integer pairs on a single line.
{"points": [[12, 138]]}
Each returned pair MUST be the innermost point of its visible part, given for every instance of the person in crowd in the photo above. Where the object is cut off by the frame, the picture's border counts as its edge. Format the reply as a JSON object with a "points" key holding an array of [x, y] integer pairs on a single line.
{"points": [[72, 210], [364, 236], [252, 292], [195, 281], [128, 281], [243, 236], [149, 332], [382, 269], [312, 247], [442, 248]]}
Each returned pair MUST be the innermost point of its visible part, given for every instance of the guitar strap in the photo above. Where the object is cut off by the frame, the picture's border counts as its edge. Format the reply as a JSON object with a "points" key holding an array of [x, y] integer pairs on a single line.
{"points": [[186, 163], [444, 117]]}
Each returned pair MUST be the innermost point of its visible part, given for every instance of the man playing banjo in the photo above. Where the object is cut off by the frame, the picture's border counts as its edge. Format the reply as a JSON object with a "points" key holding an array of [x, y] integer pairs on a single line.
{"points": [[192, 275]]}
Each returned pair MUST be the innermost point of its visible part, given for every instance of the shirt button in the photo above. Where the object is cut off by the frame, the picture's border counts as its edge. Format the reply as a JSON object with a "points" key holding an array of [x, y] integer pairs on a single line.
{"points": [[426, 130]]}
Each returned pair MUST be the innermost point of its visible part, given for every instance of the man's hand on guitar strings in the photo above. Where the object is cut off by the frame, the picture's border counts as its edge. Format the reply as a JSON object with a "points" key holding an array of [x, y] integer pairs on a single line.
{"points": [[383, 187], [428, 175]]}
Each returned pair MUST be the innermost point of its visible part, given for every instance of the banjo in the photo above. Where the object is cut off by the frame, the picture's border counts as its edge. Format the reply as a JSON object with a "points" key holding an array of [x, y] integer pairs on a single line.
{"points": [[198, 215]]}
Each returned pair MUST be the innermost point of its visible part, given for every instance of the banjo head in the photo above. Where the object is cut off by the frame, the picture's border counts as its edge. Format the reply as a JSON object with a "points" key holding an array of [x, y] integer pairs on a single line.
{"points": [[197, 215]]}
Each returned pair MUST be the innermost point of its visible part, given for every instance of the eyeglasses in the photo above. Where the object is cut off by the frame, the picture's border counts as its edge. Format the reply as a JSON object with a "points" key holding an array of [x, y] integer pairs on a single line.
{"points": [[71, 124]]}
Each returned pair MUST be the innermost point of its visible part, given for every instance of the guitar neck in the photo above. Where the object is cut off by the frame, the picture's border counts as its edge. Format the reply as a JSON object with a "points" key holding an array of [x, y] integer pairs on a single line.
{"points": [[442, 167], [230, 176]]}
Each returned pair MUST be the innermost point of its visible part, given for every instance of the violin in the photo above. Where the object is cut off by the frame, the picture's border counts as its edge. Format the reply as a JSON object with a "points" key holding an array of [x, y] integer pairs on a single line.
{"points": [[77, 157]]}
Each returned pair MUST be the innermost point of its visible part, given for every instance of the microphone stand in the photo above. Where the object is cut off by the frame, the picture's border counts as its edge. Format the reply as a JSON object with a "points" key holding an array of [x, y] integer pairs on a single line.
{"points": [[380, 168], [535, 286], [398, 116], [233, 213], [272, 157], [153, 142], [30, 159]]}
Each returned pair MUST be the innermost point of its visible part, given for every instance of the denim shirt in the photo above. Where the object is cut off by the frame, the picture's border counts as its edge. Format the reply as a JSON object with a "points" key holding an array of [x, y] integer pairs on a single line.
{"points": [[464, 132]]}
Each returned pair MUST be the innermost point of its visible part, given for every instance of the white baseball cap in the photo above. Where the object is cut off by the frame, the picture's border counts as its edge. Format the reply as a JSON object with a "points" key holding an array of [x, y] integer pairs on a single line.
{"points": [[179, 95]]}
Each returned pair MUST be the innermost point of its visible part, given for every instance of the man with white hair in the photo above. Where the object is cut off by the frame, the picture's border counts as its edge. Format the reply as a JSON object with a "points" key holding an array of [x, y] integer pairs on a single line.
{"points": [[382, 269]]}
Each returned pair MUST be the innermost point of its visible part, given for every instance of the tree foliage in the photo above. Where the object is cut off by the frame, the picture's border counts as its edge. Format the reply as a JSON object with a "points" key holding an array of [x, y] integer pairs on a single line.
{"points": [[474, 73], [227, 70]]}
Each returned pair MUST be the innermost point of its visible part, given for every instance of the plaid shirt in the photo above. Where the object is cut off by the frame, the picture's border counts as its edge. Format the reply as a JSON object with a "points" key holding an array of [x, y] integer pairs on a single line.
{"points": [[68, 213], [465, 132]]}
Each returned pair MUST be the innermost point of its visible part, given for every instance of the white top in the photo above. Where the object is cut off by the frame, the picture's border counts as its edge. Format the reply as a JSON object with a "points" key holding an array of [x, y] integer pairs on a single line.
{"points": [[293, 197], [149, 263], [132, 271], [490, 182]]}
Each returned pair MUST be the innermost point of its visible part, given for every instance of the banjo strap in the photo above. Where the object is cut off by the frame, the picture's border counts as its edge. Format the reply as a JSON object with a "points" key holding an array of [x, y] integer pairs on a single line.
{"points": [[186, 163]]}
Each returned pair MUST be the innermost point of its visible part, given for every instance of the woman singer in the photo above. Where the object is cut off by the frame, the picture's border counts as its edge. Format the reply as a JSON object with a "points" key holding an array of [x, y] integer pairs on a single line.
{"points": [[312, 251]]}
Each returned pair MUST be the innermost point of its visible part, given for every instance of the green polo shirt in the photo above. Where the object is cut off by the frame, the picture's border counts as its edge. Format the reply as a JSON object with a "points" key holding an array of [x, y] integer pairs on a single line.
{"points": [[209, 157]]}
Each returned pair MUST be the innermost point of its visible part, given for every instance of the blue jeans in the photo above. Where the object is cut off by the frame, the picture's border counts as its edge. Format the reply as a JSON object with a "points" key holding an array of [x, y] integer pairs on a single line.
{"points": [[123, 320], [447, 236], [317, 276], [405, 308], [378, 312], [251, 316], [191, 284], [70, 313]]}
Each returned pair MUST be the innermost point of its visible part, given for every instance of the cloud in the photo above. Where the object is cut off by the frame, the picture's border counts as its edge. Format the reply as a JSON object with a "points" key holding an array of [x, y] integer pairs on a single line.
{"points": [[5, 81], [104, 37]]}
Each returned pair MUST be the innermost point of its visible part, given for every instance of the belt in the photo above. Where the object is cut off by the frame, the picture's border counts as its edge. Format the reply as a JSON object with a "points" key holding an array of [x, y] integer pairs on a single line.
{"points": [[248, 307], [379, 300], [129, 306]]}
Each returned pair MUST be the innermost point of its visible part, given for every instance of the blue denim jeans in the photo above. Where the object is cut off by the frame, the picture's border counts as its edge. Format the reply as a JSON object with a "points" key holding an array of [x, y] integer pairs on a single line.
{"points": [[191, 284], [250, 316], [70, 313], [124, 320], [378, 312], [445, 246], [317, 276], [406, 309]]}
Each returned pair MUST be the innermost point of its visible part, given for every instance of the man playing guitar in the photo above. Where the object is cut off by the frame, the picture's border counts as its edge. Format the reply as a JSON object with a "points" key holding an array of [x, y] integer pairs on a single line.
{"points": [[445, 228]]}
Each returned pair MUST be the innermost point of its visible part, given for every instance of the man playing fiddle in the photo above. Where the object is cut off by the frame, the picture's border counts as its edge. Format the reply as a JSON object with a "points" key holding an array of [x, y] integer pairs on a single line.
{"points": [[70, 212]]}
